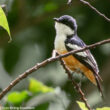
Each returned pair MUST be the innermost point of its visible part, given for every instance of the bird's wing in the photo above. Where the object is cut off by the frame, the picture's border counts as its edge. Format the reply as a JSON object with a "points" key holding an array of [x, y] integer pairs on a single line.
{"points": [[85, 57]]}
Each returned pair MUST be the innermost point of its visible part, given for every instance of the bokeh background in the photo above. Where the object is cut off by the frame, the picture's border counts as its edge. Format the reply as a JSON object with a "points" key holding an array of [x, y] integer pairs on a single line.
{"points": [[32, 29]]}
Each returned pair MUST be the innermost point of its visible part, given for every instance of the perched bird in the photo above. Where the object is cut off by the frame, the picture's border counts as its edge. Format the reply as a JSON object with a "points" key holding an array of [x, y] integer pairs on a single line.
{"points": [[67, 40]]}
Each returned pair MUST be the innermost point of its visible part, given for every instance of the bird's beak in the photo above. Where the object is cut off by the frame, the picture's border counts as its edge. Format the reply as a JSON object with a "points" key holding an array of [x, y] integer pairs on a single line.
{"points": [[56, 19]]}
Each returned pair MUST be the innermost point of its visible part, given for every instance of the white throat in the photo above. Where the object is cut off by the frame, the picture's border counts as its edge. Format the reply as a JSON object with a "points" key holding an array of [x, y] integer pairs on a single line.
{"points": [[62, 31]]}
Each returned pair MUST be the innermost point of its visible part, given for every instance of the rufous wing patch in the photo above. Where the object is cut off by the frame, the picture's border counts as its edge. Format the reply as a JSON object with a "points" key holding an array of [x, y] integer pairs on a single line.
{"points": [[73, 64]]}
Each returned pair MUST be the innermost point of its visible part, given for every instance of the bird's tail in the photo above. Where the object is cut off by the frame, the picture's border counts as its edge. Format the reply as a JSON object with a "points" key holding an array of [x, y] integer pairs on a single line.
{"points": [[99, 85], [95, 79]]}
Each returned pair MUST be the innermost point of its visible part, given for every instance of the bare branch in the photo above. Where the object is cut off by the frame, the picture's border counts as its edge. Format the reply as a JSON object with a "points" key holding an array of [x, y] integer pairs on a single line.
{"points": [[97, 11], [76, 86], [93, 8], [44, 63]]}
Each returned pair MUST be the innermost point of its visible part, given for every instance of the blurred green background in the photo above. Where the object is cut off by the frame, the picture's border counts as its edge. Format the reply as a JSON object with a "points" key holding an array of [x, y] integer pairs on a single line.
{"points": [[32, 29]]}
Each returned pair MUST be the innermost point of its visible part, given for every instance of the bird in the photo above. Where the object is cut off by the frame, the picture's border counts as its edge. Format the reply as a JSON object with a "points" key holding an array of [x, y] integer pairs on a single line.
{"points": [[67, 40]]}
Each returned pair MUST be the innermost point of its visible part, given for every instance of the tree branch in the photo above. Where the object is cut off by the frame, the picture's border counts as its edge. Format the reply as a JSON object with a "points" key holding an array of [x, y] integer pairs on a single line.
{"points": [[44, 63], [93, 8], [76, 86], [97, 11]]}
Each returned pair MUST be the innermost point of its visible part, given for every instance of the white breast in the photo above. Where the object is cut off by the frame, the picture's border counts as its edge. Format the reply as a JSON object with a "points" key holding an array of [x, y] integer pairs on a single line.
{"points": [[61, 35], [59, 43]]}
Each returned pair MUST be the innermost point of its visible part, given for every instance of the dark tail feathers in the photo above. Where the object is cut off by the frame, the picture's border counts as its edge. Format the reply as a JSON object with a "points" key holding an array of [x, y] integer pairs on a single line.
{"points": [[99, 86]]}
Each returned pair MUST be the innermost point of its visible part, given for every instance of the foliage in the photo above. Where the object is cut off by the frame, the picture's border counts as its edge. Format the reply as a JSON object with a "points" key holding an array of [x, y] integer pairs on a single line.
{"points": [[83, 107], [36, 87], [4, 22], [32, 28], [104, 108], [17, 98]]}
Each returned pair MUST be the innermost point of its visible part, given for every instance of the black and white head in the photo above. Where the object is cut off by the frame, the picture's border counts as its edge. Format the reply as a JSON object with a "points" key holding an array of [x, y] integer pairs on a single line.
{"points": [[65, 25]]}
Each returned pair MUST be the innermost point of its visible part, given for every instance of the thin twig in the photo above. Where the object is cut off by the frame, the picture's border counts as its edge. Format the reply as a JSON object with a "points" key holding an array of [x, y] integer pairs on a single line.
{"points": [[97, 11], [93, 8], [77, 87], [45, 62]]}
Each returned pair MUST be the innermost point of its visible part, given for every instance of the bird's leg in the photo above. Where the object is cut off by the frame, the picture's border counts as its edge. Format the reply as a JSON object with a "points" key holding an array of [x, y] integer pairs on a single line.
{"points": [[54, 53]]}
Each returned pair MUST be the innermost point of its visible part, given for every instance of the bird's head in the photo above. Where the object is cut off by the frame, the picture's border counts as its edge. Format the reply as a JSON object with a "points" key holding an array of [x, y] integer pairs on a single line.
{"points": [[65, 25]]}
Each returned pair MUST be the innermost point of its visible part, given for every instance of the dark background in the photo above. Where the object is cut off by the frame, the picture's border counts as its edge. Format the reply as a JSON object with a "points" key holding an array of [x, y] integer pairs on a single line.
{"points": [[32, 29]]}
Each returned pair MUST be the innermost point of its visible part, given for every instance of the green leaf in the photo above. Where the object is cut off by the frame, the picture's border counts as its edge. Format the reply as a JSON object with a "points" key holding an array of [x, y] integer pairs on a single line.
{"points": [[4, 22], [104, 108], [82, 105], [36, 87], [17, 97]]}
